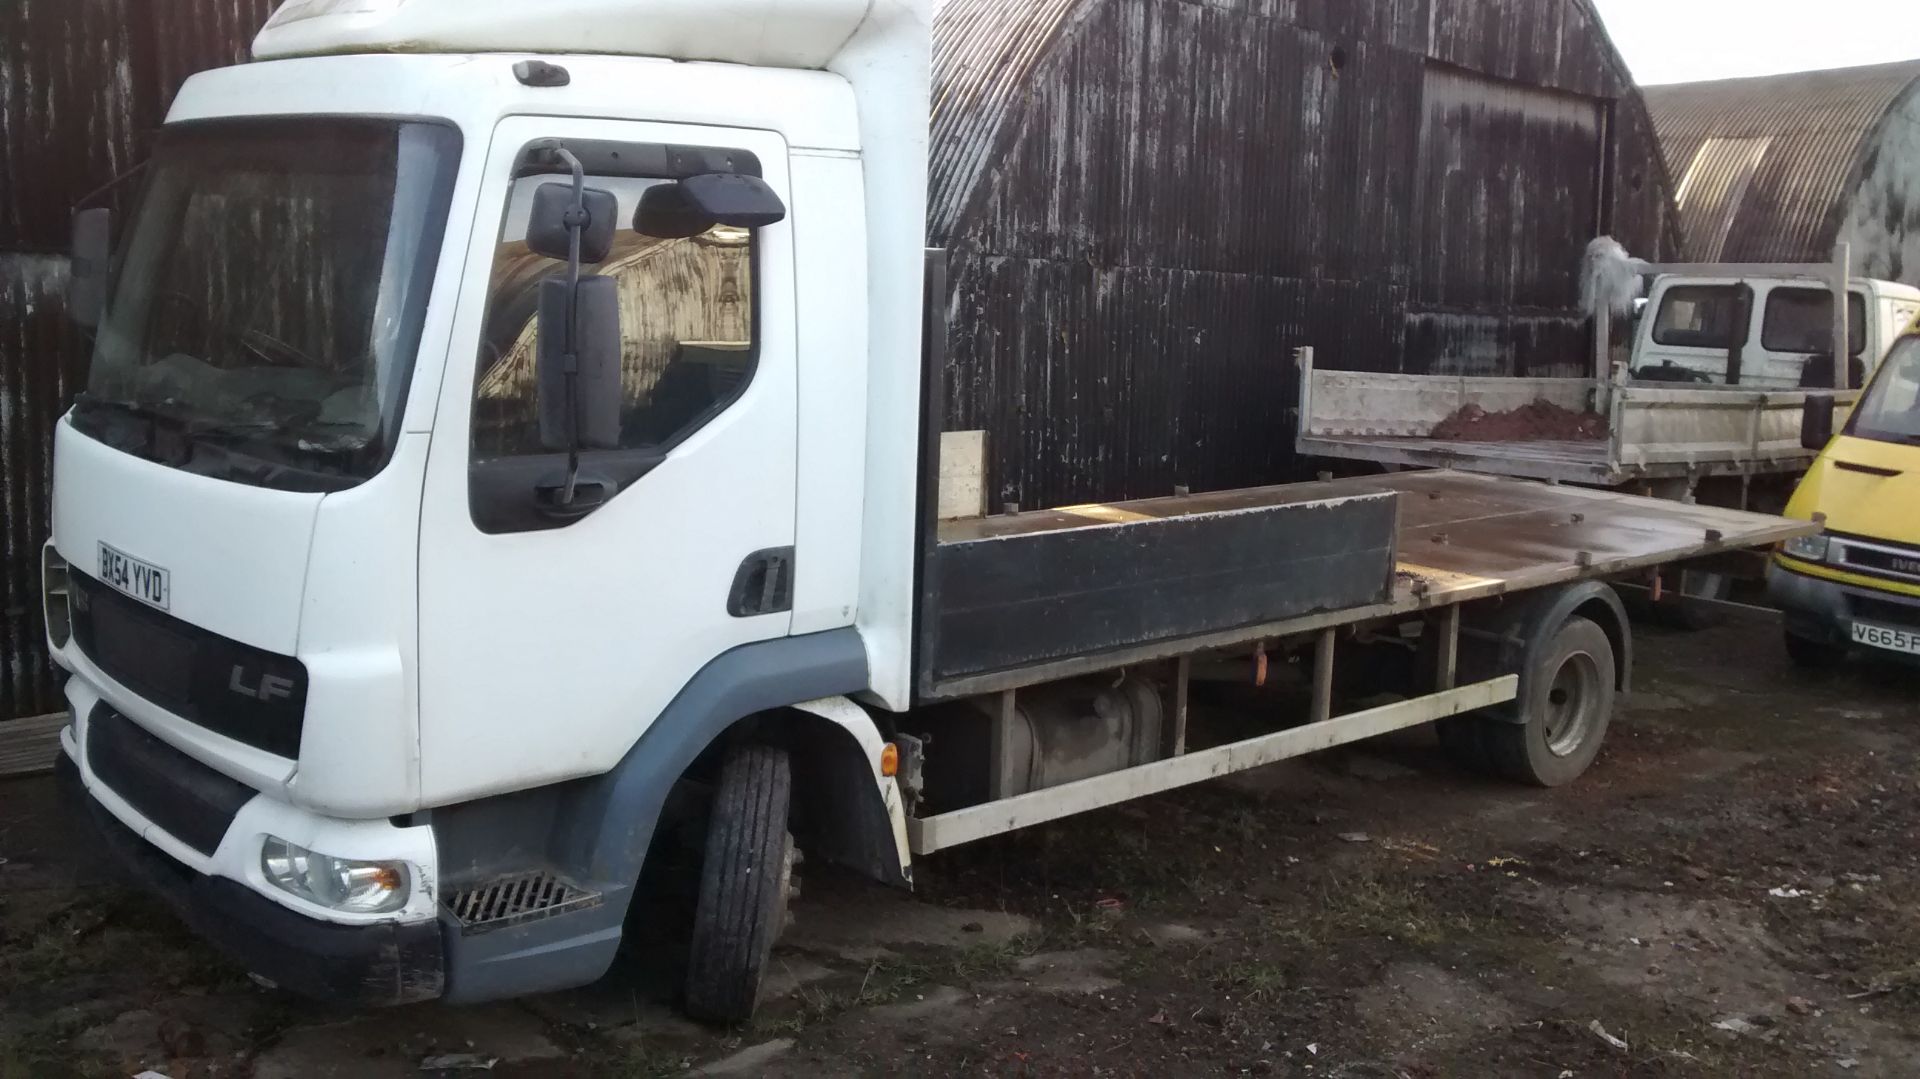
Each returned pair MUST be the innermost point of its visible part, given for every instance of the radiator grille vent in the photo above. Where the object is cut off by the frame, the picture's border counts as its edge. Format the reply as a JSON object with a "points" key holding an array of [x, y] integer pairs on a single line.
{"points": [[512, 900]]}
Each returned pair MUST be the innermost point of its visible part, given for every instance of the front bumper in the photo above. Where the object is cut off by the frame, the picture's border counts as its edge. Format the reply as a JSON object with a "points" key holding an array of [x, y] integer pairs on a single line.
{"points": [[386, 963], [1823, 611]]}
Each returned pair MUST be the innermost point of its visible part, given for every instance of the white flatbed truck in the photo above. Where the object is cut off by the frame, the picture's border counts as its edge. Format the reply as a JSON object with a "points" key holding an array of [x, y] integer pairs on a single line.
{"points": [[503, 442]]}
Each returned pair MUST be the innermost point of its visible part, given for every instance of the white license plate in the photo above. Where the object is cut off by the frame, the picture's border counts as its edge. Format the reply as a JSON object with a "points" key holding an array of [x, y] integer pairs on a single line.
{"points": [[1893, 640], [144, 581]]}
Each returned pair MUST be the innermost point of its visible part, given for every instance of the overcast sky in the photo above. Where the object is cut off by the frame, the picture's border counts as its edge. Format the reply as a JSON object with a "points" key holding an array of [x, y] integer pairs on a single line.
{"points": [[1690, 40]]}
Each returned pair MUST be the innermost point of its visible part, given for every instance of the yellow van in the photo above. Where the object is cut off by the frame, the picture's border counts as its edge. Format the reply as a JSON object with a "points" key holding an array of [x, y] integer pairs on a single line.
{"points": [[1856, 587]]}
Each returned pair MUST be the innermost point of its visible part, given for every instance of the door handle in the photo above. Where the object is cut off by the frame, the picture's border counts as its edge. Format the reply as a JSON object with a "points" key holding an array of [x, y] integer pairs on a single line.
{"points": [[763, 584]]}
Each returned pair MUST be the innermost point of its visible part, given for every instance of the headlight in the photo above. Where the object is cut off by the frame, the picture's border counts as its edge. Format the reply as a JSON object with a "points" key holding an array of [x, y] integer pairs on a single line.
{"points": [[1809, 548], [343, 884]]}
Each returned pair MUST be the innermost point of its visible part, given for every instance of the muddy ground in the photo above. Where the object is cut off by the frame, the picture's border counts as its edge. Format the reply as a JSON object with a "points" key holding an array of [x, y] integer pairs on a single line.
{"points": [[1735, 890]]}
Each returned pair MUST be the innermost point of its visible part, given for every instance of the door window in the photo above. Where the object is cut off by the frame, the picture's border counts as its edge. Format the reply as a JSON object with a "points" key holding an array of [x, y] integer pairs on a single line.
{"points": [[687, 317], [1801, 320]]}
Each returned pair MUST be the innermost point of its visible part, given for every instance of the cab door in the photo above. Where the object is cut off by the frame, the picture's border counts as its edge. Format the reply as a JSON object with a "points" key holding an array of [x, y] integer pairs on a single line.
{"points": [[549, 643]]}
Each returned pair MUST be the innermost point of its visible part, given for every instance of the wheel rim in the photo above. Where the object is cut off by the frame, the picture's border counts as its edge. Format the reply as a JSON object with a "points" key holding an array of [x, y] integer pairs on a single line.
{"points": [[1573, 704]]}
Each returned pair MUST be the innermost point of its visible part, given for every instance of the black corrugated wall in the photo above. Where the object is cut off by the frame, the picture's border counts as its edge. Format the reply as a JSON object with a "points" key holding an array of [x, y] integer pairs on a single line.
{"points": [[83, 83], [1151, 203]]}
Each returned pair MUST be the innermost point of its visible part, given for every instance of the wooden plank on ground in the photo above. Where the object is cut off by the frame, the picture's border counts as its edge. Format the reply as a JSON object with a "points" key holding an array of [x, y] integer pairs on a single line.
{"points": [[30, 746]]}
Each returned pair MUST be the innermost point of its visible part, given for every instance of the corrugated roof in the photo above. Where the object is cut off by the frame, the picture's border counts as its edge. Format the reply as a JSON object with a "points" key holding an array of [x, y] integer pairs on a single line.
{"points": [[984, 53], [1763, 165]]}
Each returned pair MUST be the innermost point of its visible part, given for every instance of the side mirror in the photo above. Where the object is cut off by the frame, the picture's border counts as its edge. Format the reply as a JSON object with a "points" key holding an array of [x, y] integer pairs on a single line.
{"points": [[579, 392], [1816, 422], [92, 258], [689, 207], [549, 226]]}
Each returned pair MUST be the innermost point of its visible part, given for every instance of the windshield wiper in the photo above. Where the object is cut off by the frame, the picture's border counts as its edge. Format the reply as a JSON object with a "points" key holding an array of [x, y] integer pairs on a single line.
{"points": [[151, 412]]}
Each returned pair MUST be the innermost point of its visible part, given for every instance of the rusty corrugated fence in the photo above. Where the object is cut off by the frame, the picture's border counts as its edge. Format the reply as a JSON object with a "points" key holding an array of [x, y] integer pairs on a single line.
{"points": [[83, 83]]}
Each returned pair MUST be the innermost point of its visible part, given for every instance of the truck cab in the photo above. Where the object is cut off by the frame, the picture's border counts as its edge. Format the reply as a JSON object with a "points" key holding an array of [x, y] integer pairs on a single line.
{"points": [[1856, 586], [387, 684], [1760, 333]]}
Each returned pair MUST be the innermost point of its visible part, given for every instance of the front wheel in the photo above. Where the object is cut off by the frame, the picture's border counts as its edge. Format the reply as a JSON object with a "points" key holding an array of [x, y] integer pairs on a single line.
{"points": [[745, 882], [1563, 714]]}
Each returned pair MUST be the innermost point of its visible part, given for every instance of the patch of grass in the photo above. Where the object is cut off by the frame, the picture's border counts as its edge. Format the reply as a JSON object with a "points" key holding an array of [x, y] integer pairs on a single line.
{"points": [[1368, 906], [41, 1053], [1254, 981], [891, 979], [640, 1061]]}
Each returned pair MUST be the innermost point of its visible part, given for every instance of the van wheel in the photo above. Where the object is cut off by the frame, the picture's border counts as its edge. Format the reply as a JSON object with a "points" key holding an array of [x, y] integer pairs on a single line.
{"points": [[1811, 655], [1566, 707], [745, 882], [1694, 584]]}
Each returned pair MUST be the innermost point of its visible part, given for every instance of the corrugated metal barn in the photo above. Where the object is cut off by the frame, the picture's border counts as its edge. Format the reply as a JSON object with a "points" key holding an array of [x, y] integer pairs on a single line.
{"points": [[1781, 169], [83, 83], [1149, 203]]}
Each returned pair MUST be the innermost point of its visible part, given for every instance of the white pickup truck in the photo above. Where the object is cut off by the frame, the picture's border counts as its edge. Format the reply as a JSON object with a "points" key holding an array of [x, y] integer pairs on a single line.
{"points": [[1707, 402]]}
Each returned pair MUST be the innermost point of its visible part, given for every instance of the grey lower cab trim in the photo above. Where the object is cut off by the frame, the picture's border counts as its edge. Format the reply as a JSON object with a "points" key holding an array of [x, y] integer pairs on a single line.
{"points": [[516, 898], [596, 831]]}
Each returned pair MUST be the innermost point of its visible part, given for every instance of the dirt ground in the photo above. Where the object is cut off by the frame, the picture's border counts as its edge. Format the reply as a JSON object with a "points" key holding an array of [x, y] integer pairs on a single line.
{"points": [[1734, 890]]}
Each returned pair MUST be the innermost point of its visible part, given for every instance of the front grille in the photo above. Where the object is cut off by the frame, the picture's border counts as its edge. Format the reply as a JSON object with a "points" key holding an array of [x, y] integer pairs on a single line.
{"points": [[516, 899], [1885, 612], [186, 799], [245, 693], [1882, 561]]}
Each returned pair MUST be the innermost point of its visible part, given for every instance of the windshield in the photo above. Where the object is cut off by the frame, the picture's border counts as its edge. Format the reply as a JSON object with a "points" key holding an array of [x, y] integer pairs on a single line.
{"points": [[1890, 411], [269, 298]]}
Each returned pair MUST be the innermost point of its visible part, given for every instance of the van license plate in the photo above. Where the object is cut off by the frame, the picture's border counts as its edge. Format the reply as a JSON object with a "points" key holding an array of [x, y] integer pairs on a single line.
{"points": [[144, 581], [1893, 640]]}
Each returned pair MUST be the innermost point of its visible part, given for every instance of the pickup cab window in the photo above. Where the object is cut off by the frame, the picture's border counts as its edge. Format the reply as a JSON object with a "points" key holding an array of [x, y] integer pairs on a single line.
{"points": [[1698, 316], [1801, 320]]}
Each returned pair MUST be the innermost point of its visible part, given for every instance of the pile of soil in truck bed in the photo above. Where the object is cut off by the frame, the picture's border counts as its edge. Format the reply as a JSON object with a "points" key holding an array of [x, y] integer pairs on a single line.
{"points": [[1541, 421]]}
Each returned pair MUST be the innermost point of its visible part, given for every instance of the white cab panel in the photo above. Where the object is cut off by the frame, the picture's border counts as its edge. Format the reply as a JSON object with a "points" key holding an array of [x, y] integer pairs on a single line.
{"points": [[765, 33], [545, 655], [830, 229], [236, 555], [358, 642], [889, 63]]}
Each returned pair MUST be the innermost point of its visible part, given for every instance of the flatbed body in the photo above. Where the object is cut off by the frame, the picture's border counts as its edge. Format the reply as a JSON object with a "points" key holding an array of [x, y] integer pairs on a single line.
{"points": [[1459, 537]]}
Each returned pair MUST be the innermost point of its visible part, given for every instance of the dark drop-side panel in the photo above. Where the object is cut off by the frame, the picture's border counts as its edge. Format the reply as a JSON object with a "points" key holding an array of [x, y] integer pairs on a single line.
{"points": [[1012, 600]]}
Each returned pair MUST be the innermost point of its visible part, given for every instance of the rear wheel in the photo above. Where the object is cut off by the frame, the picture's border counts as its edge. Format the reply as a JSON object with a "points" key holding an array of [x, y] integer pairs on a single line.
{"points": [[745, 882], [1811, 655], [1563, 714]]}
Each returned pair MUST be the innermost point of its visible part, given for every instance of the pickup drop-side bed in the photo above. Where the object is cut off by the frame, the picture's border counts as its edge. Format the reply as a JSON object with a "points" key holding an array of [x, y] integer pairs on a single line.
{"points": [[1655, 431]]}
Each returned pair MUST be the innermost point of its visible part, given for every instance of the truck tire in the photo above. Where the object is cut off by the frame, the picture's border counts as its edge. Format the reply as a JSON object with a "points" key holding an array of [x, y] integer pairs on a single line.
{"points": [[745, 881], [1565, 708], [1693, 584], [1810, 655]]}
